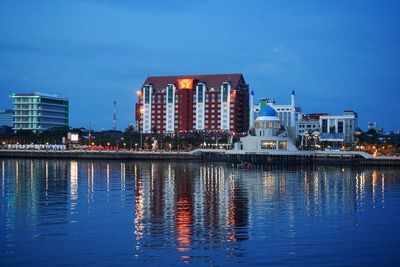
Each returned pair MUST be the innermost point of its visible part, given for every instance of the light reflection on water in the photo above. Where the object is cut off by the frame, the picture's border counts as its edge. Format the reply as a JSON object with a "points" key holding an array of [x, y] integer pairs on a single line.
{"points": [[155, 213]]}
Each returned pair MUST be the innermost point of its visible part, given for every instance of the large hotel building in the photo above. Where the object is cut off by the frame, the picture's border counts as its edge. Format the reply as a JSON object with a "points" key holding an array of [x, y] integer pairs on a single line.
{"points": [[168, 104]]}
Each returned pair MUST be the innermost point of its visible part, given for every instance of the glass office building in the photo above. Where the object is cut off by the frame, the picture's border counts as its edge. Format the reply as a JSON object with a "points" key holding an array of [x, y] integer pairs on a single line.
{"points": [[39, 112]]}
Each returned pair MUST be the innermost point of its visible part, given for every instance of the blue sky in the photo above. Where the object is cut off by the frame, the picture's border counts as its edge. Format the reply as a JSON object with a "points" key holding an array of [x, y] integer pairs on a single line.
{"points": [[337, 55]]}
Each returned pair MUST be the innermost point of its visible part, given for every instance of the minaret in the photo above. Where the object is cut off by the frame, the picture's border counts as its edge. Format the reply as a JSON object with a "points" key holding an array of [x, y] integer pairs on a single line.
{"points": [[251, 113], [293, 114]]}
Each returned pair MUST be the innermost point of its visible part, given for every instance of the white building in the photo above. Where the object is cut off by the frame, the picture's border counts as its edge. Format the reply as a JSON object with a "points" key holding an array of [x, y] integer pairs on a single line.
{"points": [[338, 128], [304, 126], [267, 133], [308, 123], [288, 114]]}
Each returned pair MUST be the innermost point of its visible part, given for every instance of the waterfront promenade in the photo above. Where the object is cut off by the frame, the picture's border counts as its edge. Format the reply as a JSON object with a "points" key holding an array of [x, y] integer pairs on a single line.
{"points": [[354, 158]]}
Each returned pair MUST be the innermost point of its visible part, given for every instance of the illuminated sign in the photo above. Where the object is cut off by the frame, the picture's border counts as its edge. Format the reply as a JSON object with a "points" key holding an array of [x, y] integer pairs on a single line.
{"points": [[73, 137], [185, 83]]}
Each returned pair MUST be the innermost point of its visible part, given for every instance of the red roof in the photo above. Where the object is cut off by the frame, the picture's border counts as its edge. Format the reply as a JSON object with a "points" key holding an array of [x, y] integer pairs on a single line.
{"points": [[212, 80]]}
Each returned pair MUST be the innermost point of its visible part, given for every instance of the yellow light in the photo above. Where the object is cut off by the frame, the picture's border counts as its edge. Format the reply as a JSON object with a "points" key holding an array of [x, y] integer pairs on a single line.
{"points": [[185, 83]]}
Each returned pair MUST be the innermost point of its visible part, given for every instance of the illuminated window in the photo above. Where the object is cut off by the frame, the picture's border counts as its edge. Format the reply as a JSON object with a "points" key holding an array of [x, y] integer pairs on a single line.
{"points": [[268, 144], [283, 145]]}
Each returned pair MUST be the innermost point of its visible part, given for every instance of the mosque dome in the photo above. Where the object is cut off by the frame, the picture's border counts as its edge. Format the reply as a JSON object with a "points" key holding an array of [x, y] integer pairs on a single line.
{"points": [[267, 111]]}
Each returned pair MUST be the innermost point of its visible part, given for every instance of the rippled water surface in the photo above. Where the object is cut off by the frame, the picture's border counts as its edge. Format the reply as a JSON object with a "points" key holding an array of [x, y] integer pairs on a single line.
{"points": [[101, 213]]}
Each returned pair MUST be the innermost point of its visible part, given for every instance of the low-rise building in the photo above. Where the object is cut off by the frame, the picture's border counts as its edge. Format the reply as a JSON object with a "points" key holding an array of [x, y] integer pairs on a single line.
{"points": [[309, 123], [338, 128]]}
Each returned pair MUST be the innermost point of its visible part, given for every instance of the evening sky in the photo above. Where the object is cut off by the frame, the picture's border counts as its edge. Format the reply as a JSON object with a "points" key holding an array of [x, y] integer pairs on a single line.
{"points": [[337, 55]]}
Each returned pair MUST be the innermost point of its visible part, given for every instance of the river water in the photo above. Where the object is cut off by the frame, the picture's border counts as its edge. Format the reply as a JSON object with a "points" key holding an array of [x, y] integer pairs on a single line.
{"points": [[120, 213]]}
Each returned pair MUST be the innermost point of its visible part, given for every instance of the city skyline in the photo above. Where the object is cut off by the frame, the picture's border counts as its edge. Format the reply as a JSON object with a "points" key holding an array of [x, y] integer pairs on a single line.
{"points": [[337, 56]]}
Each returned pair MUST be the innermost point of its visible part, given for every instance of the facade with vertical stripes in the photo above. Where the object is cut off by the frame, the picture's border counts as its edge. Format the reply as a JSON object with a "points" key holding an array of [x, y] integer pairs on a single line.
{"points": [[170, 104]]}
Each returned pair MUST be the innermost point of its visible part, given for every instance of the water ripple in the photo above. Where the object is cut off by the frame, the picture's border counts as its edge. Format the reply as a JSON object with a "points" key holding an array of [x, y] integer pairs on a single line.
{"points": [[154, 213]]}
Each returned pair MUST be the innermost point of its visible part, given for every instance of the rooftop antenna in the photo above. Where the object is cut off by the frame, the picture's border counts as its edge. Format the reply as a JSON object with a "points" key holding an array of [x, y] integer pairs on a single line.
{"points": [[115, 116]]}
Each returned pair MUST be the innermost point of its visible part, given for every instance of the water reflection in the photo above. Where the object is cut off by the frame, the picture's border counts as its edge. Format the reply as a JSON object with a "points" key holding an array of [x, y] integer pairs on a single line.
{"points": [[3, 178], [196, 212]]}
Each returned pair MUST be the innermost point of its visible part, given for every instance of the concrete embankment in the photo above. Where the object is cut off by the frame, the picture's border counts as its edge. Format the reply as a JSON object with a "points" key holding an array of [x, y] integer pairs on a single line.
{"points": [[298, 158], [101, 155], [301, 158]]}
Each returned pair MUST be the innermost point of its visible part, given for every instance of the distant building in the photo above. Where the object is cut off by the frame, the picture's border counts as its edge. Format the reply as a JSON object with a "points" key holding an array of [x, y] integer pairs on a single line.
{"points": [[309, 123], [6, 117], [339, 128], [374, 126], [171, 104], [39, 112]]}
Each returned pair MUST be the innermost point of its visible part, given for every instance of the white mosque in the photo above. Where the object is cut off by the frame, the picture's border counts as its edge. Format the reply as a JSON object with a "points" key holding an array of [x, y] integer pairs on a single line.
{"points": [[267, 133]]}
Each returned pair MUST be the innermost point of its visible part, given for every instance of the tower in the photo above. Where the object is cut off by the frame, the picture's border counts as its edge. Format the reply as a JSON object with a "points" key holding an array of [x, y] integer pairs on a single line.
{"points": [[115, 116], [293, 114]]}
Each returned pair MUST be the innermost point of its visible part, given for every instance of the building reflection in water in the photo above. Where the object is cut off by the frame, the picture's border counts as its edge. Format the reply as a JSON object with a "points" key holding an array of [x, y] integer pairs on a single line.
{"points": [[36, 194], [90, 182], [74, 180], [185, 206], [188, 206], [206, 205], [46, 174], [3, 178], [108, 176]]}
